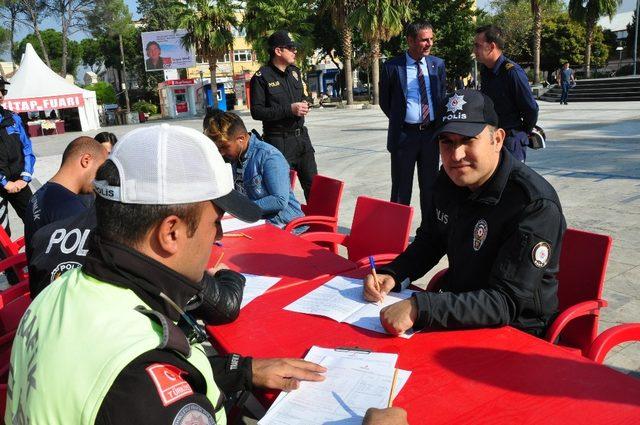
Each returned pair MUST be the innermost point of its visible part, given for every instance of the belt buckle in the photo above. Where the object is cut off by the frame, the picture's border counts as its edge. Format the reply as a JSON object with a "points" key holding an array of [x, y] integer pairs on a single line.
{"points": [[423, 126], [297, 132]]}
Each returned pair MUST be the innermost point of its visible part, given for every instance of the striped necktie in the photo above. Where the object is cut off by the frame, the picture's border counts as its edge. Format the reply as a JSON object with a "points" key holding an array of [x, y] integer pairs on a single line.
{"points": [[424, 100]]}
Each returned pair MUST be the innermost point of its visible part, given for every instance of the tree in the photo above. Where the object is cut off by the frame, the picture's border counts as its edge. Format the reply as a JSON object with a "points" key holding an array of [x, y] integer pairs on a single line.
{"points": [[93, 55], [262, 17], [71, 14], [158, 14], [111, 18], [589, 12], [379, 20], [340, 11], [208, 25], [52, 40], [105, 93], [9, 11], [631, 37], [33, 12]]}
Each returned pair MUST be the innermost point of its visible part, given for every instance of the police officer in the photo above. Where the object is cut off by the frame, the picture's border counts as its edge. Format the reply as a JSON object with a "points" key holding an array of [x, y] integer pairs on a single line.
{"points": [[505, 82], [16, 162], [500, 225], [279, 100]]}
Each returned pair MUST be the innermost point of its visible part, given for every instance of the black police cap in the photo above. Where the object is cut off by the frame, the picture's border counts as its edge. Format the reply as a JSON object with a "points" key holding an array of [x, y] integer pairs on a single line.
{"points": [[466, 112], [281, 39]]}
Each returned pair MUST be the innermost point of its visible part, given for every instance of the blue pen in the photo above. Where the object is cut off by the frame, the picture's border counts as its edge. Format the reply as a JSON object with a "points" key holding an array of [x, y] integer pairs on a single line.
{"points": [[372, 263]]}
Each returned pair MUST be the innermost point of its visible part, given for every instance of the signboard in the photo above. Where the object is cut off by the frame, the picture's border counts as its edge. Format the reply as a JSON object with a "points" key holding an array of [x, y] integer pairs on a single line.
{"points": [[187, 82], [43, 103], [164, 50]]}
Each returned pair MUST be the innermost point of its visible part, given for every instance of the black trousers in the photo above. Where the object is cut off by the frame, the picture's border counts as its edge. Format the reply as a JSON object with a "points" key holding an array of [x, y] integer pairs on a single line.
{"points": [[415, 147], [19, 202], [298, 152]]}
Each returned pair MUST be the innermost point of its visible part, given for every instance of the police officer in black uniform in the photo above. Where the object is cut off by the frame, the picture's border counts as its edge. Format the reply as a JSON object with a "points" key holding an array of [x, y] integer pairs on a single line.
{"points": [[506, 83], [279, 100], [500, 225]]}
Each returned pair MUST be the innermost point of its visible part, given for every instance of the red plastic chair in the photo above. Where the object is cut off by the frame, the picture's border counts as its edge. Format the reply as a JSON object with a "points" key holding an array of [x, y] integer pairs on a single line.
{"points": [[379, 228], [612, 337], [323, 205], [10, 315], [293, 175], [3, 398], [583, 265], [11, 248]]}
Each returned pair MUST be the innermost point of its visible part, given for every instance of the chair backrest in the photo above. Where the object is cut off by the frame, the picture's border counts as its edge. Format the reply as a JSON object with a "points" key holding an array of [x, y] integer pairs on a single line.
{"points": [[378, 227], [11, 313], [3, 397], [324, 197], [293, 175], [583, 264], [13, 292], [8, 247]]}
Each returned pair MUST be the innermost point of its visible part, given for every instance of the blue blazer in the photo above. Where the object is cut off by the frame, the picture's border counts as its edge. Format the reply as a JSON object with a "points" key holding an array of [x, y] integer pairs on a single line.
{"points": [[393, 89]]}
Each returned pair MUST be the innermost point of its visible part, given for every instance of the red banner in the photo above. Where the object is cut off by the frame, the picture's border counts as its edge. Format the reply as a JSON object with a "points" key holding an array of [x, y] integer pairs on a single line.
{"points": [[187, 82], [43, 103]]}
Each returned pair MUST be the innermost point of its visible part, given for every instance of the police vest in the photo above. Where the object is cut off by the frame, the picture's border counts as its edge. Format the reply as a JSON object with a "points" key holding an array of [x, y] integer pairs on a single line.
{"points": [[71, 345]]}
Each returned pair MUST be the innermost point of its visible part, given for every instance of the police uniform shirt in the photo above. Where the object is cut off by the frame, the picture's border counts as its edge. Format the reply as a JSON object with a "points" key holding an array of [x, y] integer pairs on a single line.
{"points": [[503, 246], [272, 93], [50, 203], [507, 85]]}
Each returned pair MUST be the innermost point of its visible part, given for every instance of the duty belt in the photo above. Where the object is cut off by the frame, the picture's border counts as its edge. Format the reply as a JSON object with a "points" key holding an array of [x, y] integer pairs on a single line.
{"points": [[418, 126], [294, 132]]}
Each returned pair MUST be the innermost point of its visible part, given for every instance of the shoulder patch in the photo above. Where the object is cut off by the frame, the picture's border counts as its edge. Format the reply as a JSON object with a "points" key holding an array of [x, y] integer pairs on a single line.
{"points": [[193, 414], [169, 382], [508, 66], [540, 254]]}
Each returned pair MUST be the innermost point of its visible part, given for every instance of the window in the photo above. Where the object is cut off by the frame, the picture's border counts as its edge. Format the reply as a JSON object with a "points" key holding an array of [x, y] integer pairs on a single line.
{"points": [[238, 32], [242, 55]]}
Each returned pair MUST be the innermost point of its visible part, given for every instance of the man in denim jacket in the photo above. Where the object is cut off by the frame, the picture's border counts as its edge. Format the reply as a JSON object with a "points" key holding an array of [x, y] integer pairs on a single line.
{"points": [[260, 171]]}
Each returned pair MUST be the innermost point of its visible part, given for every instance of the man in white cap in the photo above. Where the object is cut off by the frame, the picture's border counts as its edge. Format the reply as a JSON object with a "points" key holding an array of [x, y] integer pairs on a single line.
{"points": [[111, 342]]}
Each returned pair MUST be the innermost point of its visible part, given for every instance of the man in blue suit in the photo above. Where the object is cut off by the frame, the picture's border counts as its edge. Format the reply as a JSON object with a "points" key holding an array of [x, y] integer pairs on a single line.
{"points": [[412, 87]]}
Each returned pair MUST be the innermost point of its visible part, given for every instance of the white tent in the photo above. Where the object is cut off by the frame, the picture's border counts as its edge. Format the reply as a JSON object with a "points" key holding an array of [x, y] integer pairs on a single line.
{"points": [[35, 87]]}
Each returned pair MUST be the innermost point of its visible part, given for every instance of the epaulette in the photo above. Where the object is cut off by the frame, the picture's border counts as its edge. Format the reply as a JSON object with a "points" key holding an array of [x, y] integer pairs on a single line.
{"points": [[508, 65]]}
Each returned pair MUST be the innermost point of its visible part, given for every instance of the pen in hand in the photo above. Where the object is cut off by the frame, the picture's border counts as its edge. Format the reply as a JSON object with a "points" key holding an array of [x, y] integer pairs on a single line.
{"points": [[372, 263]]}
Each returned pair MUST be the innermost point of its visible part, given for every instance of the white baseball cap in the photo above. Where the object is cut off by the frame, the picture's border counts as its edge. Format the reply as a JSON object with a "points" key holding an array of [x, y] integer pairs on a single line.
{"points": [[169, 164]]}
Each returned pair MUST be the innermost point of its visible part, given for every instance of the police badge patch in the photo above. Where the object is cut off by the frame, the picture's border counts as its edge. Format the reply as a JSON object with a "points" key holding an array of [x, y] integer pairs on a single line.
{"points": [[480, 234], [193, 414], [540, 254], [295, 75]]}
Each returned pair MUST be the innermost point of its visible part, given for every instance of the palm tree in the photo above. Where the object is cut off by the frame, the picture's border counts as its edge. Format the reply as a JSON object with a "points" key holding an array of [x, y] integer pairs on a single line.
{"points": [[589, 12], [208, 25], [340, 11], [379, 20]]}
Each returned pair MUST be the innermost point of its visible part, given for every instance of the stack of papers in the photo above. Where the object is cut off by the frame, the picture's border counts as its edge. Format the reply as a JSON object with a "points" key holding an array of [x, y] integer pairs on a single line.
{"points": [[232, 224], [355, 381], [256, 286], [341, 299]]}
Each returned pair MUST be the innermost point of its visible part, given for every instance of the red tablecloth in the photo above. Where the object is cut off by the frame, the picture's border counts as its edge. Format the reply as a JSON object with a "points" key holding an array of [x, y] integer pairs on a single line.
{"points": [[480, 376]]}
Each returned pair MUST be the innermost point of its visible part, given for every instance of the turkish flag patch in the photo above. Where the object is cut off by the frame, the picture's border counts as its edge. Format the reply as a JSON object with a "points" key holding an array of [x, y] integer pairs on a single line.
{"points": [[169, 382]]}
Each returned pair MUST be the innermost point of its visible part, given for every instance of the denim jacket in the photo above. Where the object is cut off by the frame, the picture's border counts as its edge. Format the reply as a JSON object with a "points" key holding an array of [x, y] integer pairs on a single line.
{"points": [[266, 182]]}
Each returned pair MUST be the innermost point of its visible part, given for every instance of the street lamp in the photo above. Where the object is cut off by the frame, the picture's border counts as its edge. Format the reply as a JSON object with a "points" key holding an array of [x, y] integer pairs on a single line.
{"points": [[635, 42], [619, 49]]}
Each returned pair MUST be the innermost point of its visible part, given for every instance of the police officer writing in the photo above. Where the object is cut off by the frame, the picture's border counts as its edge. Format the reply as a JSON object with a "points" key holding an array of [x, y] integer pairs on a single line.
{"points": [[505, 82], [500, 225], [278, 99]]}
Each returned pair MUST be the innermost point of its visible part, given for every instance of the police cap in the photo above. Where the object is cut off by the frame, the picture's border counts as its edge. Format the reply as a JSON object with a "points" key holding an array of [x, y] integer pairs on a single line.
{"points": [[466, 112], [281, 38]]}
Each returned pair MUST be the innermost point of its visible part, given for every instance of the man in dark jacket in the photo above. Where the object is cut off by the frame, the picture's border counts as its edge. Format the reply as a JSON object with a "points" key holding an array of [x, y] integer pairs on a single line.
{"points": [[500, 225], [16, 161]]}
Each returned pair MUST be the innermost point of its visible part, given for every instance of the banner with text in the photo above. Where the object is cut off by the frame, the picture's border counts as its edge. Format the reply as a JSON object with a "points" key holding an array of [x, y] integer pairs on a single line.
{"points": [[164, 50], [43, 103]]}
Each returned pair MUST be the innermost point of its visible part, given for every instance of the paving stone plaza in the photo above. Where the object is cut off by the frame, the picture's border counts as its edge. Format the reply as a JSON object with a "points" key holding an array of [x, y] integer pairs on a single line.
{"points": [[592, 159]]}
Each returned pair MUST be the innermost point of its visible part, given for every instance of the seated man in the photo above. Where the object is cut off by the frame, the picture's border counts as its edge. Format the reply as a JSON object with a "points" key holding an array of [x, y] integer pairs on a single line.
{"points": [[118, 325], [65, 194], [260, 170], [500, 225]]}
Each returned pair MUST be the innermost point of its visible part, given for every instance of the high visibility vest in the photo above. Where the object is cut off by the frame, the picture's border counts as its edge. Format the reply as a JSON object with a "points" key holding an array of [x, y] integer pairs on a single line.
{"points": [[71, 345]]}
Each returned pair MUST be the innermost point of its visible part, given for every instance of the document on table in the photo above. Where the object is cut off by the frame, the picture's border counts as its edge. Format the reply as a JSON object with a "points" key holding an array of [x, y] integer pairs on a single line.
{"points": [[355, 381], [341, 299], [256, 286], [231, 224]]}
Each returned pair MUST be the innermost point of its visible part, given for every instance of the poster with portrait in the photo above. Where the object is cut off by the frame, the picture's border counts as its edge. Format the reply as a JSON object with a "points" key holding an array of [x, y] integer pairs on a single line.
{"points": [[164, 50]]}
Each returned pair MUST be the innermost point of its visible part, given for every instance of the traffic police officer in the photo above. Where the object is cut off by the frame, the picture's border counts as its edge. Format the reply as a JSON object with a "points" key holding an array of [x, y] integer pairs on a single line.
{"points": [[506, 83], [279, 100], [500, 225]]}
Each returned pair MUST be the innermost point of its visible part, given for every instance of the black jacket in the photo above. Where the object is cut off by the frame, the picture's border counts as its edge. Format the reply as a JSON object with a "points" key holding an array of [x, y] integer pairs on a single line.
{"points": [[503, 246], [272, 93], [64, 245]]}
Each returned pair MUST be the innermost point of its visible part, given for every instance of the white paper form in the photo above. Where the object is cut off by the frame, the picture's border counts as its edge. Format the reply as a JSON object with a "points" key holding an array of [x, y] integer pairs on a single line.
{"points": [[317, 354], [341, 299], [350, 388], [256, 286], [232, 224]]}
